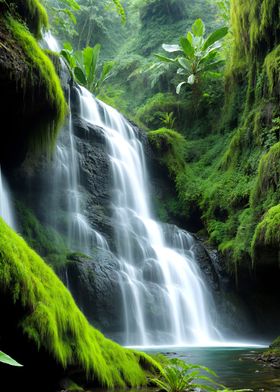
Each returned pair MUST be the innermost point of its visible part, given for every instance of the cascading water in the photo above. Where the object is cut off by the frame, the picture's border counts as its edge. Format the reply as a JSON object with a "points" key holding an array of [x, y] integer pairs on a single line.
{"points": [[165, 300], [81, 236], [6, 211]]}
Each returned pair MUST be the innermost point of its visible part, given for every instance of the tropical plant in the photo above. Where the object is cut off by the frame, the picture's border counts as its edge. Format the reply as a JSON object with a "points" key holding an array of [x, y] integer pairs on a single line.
{"points": [[198, 56], [168, 119], [4, 358], [84, 66], [179, 376]]}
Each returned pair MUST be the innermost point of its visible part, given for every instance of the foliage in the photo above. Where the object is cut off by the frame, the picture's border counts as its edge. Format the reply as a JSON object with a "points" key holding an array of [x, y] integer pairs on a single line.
{"points": [[66, 16], [62, 15], [170, 146], [267, 232], [179, 376], [84, 65], [168, 119], [198, 55], [224, 10], [4, 358], [51, 319], [155, 108]]}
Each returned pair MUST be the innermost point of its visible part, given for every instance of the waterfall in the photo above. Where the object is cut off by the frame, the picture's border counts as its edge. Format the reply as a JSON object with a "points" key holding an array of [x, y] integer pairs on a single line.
{"points": [[165, 299], [65, 173], [6, 211]]}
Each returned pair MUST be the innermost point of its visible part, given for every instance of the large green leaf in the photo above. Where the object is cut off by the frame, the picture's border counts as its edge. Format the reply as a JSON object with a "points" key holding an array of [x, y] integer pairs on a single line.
{"points": [[79, 58], [184, 63], [198, 28], [215, 36], [91, 56], [187, 47], [68, 57], [107, 68], [80, 76], [8, 360], [171, 48], [90, 61], [165, 59], [209, 56]]}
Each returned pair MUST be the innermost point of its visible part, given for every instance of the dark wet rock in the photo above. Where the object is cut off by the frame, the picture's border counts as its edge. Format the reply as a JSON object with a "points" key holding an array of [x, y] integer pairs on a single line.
{"points": [[94, 283]]}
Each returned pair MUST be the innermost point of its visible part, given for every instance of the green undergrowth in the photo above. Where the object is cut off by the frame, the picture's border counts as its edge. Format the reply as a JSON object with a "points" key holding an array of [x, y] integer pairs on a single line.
{"points": [[42, 78], [232, 175], [30, 12], [53, 321], [223, 193]]}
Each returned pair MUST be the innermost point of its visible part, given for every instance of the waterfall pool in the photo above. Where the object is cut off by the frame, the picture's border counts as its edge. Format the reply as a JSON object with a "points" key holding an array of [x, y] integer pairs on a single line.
{"points": [[235, 366]]}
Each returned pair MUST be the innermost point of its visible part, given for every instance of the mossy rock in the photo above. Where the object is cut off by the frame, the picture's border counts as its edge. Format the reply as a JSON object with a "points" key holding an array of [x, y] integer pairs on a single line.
{"points": [[31, 12], [266, 240], [49, 318], [169, 146], [32, 101]]}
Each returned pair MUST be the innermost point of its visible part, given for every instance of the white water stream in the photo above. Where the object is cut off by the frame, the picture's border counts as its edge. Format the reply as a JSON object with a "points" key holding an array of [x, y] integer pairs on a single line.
{"points": [[6, 210], [165, 300]]}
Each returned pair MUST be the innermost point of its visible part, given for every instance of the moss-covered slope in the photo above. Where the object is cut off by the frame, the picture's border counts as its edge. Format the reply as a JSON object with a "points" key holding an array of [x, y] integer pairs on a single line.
{"points": [[32, 101], [51, 319]]}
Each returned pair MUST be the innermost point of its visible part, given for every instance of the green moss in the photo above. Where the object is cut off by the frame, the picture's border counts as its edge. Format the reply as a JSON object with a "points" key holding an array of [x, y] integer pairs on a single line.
{"points": [[267, 232], [53, 321], [265, 194], [31, 12], [41, 76], [272, 66], [170, 147]]}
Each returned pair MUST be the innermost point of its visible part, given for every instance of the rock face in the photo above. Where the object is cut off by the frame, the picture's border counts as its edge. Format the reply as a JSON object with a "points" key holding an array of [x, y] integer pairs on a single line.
{"points": [[94, 283]]}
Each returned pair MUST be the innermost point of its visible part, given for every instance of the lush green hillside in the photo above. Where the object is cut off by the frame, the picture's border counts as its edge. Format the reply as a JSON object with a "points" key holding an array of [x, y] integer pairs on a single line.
{"points": [[231, 176], [50, 319]]}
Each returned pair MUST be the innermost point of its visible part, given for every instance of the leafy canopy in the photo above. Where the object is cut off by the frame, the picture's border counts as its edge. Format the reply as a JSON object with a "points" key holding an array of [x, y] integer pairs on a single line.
{"points": [[198, 55]]}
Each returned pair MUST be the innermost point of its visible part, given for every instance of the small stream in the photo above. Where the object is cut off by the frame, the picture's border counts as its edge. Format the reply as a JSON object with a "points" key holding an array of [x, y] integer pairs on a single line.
{"points": [[235, 367]]}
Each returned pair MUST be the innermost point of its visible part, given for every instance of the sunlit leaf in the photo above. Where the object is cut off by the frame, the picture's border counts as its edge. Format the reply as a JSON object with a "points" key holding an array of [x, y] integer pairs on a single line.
{"points": [[187, 47], [8, 360], [198, 28], [178, 88], [191, 79], [184, 63], [165, 59], [171, 48], [215, 36]]}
